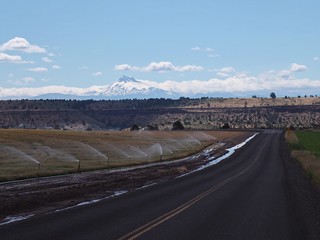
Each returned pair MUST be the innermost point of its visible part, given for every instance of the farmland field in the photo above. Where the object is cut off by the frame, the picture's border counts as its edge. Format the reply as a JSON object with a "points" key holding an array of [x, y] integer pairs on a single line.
{"points": [[32, 153]]}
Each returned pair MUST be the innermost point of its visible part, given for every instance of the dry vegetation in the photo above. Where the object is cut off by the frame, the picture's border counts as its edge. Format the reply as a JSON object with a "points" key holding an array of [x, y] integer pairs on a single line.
{"points": [[258, 102], [201, 113], [300, 151], [29, 153]]}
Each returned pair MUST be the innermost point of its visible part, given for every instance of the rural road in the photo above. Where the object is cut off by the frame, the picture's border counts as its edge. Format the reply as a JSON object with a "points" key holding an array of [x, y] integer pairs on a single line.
{"points": [[258, 193]]}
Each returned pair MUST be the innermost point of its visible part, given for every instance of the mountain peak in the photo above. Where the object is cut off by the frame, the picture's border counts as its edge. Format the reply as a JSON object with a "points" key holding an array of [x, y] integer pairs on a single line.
{"points": [[126, 79]]}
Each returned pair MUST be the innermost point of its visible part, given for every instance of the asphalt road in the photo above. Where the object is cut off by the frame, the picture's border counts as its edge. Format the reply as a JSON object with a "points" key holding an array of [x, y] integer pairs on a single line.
{"points": [[258, 193]]}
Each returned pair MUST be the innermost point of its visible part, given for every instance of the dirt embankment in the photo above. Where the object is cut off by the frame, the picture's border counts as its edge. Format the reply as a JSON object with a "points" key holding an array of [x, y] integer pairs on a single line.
{"points": [[51, 193]]}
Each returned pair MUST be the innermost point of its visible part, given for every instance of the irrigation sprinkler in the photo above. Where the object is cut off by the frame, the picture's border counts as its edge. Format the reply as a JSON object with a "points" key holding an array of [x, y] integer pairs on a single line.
{"points": [[38, 173], [147, 158], [79, 167], [160, 157]]}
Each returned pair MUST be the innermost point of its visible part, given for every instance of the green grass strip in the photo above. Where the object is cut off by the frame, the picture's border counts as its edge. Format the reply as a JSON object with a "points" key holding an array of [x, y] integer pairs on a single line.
{"points": [[309, 140]]}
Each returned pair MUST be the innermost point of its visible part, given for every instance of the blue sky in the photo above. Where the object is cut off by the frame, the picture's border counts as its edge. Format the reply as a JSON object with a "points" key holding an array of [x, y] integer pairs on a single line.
{"points": [[271, 44]]}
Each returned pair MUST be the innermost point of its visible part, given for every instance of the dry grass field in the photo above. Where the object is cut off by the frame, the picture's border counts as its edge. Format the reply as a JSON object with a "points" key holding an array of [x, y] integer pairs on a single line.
{"points": [[258, 102], [31, 153]]}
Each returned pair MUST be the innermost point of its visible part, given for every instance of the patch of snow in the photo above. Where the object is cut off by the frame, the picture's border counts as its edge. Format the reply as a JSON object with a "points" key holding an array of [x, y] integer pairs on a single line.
{"points": [[88, 202], [146, 186], [116, 193], [11, 219], [213, 161]]}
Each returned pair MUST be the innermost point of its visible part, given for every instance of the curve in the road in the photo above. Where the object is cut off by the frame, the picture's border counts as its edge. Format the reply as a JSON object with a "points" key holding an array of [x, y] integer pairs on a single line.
{"points": [[154, 223], [258, 193]]}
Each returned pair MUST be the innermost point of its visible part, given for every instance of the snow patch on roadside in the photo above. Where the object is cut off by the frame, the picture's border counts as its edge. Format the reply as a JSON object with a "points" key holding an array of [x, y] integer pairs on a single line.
{"points": [[228, 154], [88, 202], [213, 160], [146, 186], [11, 219], [116, 193]]}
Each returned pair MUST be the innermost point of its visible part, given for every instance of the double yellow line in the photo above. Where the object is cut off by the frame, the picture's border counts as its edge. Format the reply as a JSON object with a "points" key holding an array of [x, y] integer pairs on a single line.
{"points": [[154, 223]]}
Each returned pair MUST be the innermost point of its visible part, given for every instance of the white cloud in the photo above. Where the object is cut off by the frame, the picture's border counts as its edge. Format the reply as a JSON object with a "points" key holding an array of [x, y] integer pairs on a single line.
{"points": [[23, 92], [237, 83], [240, 83], [206, 49], [22, 81], [189, 68], [51, 54], [285, 74], [47, 60], [21, 44], [28, 79], [225, 71], [11, 58], [297, 68], [213, 55], [209, 51], [38, 69], [196, 48], [83, 68], [97, 74], [56, 67], [125, 67], [158, 67], [315, 58]]}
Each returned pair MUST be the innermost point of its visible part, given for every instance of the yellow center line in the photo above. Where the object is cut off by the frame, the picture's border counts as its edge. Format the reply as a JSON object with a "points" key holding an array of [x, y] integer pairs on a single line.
{"points": [[152, 224]]}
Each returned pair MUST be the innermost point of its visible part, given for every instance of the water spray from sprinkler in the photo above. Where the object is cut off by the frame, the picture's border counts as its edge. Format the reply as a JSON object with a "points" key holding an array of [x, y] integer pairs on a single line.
{"points": [[79, 167], [38, 173]]}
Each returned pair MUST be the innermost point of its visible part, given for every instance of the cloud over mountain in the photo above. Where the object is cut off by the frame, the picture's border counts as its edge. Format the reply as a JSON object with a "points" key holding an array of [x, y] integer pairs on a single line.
{"points": [[158, 67], [128, 87]]}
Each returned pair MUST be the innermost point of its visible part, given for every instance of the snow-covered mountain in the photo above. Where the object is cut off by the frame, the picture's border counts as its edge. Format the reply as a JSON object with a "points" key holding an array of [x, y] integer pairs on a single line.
{"points": [[125, 88], [129, 87]]}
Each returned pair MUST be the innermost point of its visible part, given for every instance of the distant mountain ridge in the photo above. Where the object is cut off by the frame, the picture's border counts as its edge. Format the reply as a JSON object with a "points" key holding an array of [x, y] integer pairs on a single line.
{"points": [[126, 87]]}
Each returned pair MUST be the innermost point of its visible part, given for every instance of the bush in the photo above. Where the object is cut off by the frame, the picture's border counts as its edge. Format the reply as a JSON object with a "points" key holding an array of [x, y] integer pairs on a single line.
{"points": [[134, 127], [177, 125], [225, 126]]}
